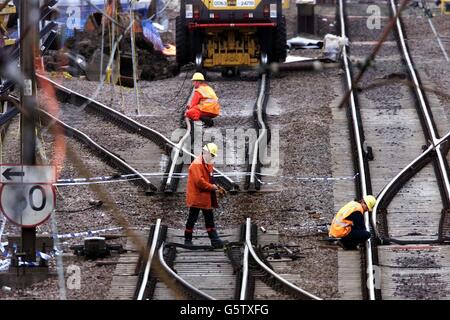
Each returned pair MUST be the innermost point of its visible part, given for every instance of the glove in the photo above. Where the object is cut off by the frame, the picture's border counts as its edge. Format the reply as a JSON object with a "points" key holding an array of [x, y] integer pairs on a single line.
{"points": [[222, 192]]}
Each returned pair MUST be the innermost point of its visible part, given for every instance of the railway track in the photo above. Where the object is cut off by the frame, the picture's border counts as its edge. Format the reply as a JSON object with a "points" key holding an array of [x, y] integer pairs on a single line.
{"points": [[399, 124], [175, 164], [70, 98], [199, 272], [109, 157], [7, 126], [253, 180], [172, 175], [434, 142], [255, 148]]}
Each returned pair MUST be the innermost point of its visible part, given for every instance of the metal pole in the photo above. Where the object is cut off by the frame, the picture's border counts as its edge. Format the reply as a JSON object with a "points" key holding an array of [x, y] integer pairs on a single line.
{"points": [[133, 52], [29, 26], [103, 45], [113, 38], [438, 39]]}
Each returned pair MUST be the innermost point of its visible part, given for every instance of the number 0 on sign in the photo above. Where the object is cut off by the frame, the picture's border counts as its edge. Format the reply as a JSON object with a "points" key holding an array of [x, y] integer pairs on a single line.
{"points": [[27, 205]]}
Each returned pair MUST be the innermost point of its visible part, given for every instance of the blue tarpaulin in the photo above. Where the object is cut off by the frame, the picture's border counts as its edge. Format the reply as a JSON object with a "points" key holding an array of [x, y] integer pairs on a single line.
{"points": [[72, 14], [152, 35]]}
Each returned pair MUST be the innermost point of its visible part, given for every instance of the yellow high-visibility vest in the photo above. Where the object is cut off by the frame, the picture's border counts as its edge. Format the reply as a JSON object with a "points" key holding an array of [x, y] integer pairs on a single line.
{"points": [[340, 227]]}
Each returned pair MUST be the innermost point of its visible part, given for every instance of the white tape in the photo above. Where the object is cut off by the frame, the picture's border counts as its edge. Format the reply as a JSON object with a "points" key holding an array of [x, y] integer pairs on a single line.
{"points": [[131, 177], [43, 255], [304, 178], [85, 233], [4, 264], [110, 179], [2, 227]]}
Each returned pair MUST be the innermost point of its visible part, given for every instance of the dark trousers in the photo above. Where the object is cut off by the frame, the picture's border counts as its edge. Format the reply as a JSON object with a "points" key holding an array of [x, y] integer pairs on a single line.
{"points": [[192, 219], [354, 238]]}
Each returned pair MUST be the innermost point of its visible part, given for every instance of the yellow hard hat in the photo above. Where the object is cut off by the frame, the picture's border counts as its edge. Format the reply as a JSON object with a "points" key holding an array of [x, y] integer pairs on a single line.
{"points": [[370, 201], [212, 148], [198, 77]]}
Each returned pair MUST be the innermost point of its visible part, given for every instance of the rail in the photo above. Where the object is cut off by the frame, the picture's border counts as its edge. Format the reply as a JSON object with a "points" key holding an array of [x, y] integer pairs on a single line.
{"points": [[68, 95], [245, 273], [392, 186], [118, 162], [186, 285], [8, 116], [363, 181], [174, 159], [253, 182], [425, 109], [152, 250], [286, 283], [436, 146]]}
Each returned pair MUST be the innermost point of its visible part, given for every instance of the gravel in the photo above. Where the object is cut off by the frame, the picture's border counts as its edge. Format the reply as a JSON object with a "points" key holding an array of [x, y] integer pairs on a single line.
{"points": [[429, 60], [299, 209]]}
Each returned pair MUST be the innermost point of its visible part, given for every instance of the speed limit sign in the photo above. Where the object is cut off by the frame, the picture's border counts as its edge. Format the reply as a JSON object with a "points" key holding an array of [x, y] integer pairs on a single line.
{"points": [[27, 205], [27, 197]]}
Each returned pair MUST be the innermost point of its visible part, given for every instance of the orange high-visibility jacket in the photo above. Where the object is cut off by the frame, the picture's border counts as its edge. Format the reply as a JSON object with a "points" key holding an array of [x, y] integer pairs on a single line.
{"points": [[206, 100], [340, 227], [198, 192]]}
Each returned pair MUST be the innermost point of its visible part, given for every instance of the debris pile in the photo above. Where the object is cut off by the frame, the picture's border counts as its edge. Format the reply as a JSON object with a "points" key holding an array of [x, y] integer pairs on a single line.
{"points": [[81, 55]]}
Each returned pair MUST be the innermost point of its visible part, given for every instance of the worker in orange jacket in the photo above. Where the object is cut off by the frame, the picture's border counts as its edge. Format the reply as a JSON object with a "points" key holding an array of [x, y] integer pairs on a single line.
{"points": [[348, 224], [204, 104], [201, 195]]}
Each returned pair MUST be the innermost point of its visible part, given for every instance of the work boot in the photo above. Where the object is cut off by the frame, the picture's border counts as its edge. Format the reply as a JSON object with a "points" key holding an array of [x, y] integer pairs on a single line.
{"points": [[216, 242], [207, 121], [346, 247], [188, 238]]}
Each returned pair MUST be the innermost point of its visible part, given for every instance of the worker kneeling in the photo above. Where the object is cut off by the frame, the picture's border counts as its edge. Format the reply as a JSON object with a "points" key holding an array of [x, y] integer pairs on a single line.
{"points": [[201, 195], [348, 224], [204, 104]]}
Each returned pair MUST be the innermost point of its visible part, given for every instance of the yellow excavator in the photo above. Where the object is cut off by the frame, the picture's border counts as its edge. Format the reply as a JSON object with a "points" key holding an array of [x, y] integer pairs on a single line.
{"points": [[230, 34]]}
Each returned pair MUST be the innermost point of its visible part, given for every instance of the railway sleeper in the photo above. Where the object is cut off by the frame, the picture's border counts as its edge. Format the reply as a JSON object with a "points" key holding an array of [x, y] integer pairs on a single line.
{"points": [[444, 225], [258, 272], [68, 97], [148, 187], [170, 252], [142, 262]]}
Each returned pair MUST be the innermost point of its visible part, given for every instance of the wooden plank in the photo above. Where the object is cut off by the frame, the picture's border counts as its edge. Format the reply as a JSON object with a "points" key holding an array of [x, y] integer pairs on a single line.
{"points": [[349, 275], [124, 280]]}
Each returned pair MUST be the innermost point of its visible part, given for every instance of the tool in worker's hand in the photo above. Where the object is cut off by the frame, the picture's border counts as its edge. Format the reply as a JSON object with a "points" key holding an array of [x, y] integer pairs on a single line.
{"points": [[222, 192]]}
